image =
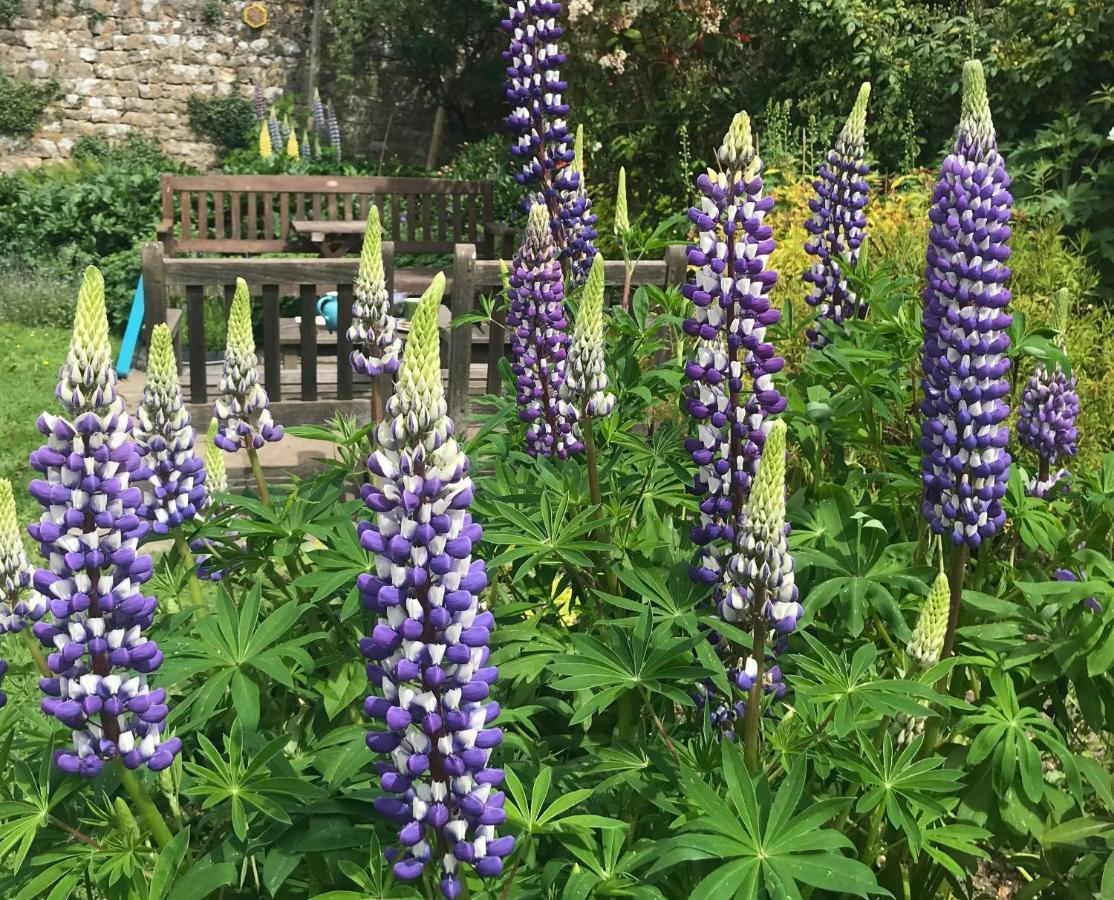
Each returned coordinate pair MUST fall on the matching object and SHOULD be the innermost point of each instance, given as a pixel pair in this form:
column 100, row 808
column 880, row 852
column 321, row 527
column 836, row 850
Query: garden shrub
column 228, row 121
column 22, row 103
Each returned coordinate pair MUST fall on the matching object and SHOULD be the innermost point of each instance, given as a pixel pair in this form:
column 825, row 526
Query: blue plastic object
column 131, row 333
column 327, row 309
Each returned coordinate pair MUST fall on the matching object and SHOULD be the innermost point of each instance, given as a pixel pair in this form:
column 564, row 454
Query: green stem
column 753, row 716
column 659, row 726
column 146, row 806
column 590, row 458
column 257, row 471
column 956, row 573
column 884, row 633
column 195, row 585
column 36, row 651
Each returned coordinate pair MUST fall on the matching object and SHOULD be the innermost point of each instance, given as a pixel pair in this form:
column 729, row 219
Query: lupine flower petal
column 964, row 434
column 174, row 478
column 539, row 342
column 838, row 224
column 241, row 408
column 428, row 651
column 376, row 347
column 89, row 533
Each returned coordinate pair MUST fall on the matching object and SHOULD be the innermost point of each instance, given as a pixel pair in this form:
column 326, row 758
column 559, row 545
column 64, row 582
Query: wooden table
column 332, row 238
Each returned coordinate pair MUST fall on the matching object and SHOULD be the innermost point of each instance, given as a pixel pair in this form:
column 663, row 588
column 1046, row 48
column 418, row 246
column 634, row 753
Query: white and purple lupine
column 241, row 409
column 585, row 387
column 539, row 341
column 334, row 131
column 319, row 123
column 964, row 435
column 207, row 563
column 173, row 478
column 258, row 100
column 535, row 90
column 429, row 649
column 15, row 573
column 837, row 227
column 274, row 130
column 731, row 391
column 1048, row 410
column 376, row 348
column 89, row 534
column 578, row 222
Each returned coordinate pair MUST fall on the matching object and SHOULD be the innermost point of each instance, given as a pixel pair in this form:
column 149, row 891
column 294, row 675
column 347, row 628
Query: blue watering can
column 327, row 309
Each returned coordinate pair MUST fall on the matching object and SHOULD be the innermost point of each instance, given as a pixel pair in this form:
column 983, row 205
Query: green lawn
column 28, row 376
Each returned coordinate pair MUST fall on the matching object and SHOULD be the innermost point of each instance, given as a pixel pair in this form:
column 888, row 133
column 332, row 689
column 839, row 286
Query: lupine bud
column 174, row 489
column 89, row 533
column 428, row 653
column 306, row 149
column 731, row 391
column 539, row 342
column 216, row 480
column 241, row 408
column 838, row 224
column 577, row 220
column 622, row 215
column 927, row 642
column 965, row 462
column 762, row 559
column 1049, row 407
column 376, row 347
column 293, row 151
column 585, row 385
column 265, row 148
column 15, row 574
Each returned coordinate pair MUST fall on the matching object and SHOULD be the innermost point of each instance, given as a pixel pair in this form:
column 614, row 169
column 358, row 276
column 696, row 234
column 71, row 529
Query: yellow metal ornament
column 255, row 15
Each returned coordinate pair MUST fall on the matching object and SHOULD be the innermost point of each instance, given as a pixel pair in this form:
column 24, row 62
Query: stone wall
column 130, row 65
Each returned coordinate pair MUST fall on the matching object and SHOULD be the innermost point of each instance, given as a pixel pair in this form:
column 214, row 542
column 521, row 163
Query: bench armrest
column 498, row 229
column 165, row 229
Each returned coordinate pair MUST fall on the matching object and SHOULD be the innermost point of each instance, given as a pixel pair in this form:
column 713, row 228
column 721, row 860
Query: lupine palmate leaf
column 754, row 840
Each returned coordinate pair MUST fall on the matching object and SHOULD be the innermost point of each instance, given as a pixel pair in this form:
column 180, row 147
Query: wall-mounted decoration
column 255, row 15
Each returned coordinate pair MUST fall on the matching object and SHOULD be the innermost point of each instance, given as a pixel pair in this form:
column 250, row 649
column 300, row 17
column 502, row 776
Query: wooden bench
column 254, row 214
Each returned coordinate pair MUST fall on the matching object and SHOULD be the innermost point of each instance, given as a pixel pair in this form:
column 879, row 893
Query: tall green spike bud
column 242, row 405
column 577, row 164
column 975, row 123
column 762, row 561
column 852, row 139
column 15, row 574
column 737, row 150
column 162, row 366
column 87, row 381
column 927, row 641
column 585, row 385
column 418, row 408
column 622, row 214
column 376, row 348
column 216, row 474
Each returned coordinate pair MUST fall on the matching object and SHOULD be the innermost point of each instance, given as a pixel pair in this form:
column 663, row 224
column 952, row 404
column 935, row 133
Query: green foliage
column 488, row 160
column 9, row 9
column 228, row 121
column 22, row 103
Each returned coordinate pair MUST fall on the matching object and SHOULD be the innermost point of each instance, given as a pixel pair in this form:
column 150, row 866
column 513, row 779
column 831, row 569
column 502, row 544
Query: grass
column 28, row 376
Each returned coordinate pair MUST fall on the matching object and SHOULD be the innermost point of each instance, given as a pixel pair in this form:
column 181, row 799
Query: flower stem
column 660, row 727
column 195, row 586
column 628, row 272
column 37, row 653
column 257, row 471
column 146, row 806
column 753, row 714
column 956, row 573
column 593, row 466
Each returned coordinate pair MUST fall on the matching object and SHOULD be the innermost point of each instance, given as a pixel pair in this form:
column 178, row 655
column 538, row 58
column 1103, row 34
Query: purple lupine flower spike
column 241, row 409
column 540, row 341
column 174, row 478
column 964, row 435
column 275, row 131
column 1048, row 410
column 89, row 533
column 15, row 574
column 259, row 100
column 334, row 131
column 838, row 224
column 536, row 93
column 578, row 222
column 319, row 123
column 731, row 391
column 428, row 652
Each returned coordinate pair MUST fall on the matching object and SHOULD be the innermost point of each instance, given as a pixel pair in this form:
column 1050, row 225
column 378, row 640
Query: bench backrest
column 253, row 214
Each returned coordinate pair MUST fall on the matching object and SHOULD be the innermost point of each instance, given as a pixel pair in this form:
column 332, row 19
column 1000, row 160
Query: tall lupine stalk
column 89, row 533
column 429, row 650
column 964, row 433
column 925, row 646
column 15, row 573
column 760, row 588
column 216, row 480
column 259, row 100
column 838, row 224
column 376, row 348
column 274, row 131
column 539, row 342
column 731, row 391
column 293, row 150
column 241, row 409
column 577, row 219
column 173, row 478
column 334, row 131
column 1048, row 410
column 537, row 119
column 622, row 235
column 585, row 385
column 319, row 123
column 266, row 148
